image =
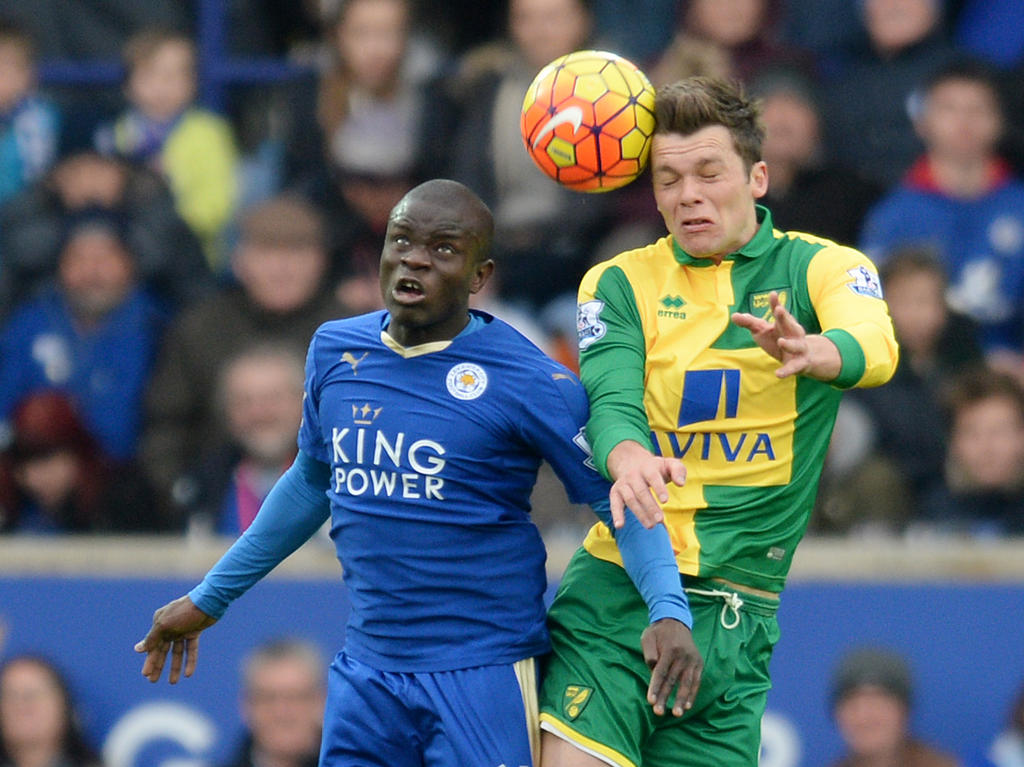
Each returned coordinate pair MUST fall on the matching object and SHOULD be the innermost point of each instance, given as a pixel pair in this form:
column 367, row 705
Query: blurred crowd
column 163, row 265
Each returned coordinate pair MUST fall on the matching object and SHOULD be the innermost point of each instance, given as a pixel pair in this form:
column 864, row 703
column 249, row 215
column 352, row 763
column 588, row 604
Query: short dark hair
column 688, row 105
column 143, row 45
column 14, row 34
column 968, row 69
column 980, row 383
column 912, row 260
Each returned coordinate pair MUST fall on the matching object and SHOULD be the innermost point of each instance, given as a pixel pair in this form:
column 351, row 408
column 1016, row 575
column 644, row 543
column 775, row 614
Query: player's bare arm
column 814, row 356
column 640, row 482
column 675, row 662
column 175, row 631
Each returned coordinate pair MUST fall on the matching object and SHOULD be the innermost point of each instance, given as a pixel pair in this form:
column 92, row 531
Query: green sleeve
column 612, row 370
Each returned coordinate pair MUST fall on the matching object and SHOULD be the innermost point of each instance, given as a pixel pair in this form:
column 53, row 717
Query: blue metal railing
column 217, row 69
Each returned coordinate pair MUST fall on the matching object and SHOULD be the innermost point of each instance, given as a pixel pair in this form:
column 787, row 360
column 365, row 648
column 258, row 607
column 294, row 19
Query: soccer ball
column 587, row 120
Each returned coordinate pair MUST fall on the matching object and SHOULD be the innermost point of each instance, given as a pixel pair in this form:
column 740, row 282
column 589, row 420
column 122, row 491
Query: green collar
column 759, row 244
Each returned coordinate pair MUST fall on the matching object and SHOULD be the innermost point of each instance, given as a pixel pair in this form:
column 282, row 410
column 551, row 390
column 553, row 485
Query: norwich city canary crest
column 761, row 307
column 576, row 699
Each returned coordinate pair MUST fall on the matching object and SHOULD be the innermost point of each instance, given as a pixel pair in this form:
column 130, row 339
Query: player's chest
column 410, row 413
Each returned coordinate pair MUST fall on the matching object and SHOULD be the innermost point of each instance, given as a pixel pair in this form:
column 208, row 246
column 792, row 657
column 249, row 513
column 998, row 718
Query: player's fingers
column 749, row 321
column 686, row 693
column 637, row 497
column 177, row 656
column 153, row 666
column 644, row 505
column 662, row 681
column 674, row 471
column 656, row 482
column 618, row 506
column 191, row 655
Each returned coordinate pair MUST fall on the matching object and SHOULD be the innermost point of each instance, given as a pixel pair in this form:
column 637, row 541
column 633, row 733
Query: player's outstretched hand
column 675, row 662
column 640, row 481
column 175, row 630
column 786, row 340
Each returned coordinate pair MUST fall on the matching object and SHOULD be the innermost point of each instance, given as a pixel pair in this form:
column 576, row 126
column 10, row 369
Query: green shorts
column 594, row 692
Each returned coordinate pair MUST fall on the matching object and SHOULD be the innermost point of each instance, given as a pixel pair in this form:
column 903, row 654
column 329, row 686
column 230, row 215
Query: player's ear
column 481, row 275
column 759, row 179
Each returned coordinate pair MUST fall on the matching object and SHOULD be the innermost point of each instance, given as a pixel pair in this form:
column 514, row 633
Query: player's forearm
column 295, row 508
column 649, row 561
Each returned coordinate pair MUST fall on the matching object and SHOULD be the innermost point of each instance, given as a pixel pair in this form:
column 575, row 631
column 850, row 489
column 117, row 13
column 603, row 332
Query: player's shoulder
column 507, row 347
column 632, row 264
column 807, row 247
column 360, row 327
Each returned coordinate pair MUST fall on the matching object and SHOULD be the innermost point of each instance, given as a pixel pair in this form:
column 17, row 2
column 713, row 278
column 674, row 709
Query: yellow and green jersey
column 664, row 365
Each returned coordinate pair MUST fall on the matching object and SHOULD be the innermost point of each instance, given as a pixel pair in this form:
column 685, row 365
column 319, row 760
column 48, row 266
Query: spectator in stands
column 38, row 723
column 94, row 335
column 936, row 342
column 544, row 233
column 1007, row 748
column 961, row 200
column 259, row 396
column 807, row 191
column 29, row 123
column 982, row 493
column 871, row 703
column 283, row 695
column 362, row 153
column 868, row 124
column 745, row 32
column 55, row 479
column 862, row 490
column 168, row 257
column 281, row 295
column 163, row 128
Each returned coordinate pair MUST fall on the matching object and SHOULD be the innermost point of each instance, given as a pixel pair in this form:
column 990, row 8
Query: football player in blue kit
column 423, row 429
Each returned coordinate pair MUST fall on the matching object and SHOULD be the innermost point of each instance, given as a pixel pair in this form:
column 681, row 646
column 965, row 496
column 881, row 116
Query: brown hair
column 143, row 45
column 688, row 105
column 982, row 383
column 14, row 35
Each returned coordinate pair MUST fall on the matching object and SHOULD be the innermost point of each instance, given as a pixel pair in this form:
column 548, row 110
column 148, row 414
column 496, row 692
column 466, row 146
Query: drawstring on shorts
column 732, row 600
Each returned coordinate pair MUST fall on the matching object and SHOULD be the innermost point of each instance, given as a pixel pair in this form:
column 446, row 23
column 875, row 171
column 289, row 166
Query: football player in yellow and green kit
column 725, row 346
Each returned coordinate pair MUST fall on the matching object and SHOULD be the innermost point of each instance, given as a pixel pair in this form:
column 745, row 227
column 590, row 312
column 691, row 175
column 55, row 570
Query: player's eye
column 446, row 249
column 400, row 240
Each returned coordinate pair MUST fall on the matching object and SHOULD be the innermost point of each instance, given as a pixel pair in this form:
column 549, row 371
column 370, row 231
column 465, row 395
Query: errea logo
column 672, row 306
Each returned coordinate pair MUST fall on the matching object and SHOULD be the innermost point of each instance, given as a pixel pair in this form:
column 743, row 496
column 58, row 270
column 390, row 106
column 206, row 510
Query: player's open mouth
column 695, row 224
column 408, row 290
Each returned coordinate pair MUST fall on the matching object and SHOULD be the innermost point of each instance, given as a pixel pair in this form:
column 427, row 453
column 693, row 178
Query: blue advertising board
column 963, row 642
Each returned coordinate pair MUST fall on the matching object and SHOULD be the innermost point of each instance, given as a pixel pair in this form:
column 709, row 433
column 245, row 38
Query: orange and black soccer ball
column 587, row 120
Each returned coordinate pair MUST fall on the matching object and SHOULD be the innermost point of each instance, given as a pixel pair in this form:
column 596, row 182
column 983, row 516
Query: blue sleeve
column 651, row 564
column 295, row 509
column 311, row 440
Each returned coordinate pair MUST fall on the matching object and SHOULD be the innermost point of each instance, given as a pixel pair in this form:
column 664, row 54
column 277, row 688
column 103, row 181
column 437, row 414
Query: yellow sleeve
column 846, row 293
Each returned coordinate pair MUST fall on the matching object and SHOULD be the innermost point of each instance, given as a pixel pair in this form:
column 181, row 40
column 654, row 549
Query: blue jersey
column 434, row 452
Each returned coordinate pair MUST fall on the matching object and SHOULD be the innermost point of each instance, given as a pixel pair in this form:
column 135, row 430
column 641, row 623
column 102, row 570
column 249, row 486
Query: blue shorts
column 475, row 717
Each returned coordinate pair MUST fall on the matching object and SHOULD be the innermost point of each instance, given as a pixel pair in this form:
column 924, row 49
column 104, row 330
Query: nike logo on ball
column 572, row 115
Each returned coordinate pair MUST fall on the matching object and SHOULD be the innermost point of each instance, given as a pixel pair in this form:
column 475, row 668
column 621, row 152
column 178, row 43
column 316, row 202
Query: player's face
column 704, row 191
column 428, row 269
